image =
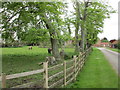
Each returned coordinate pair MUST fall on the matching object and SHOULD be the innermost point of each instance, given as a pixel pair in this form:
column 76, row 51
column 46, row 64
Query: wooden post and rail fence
column 67, row 73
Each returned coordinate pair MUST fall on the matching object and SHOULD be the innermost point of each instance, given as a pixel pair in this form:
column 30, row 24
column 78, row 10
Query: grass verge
column 114, row 49
column 97, row 73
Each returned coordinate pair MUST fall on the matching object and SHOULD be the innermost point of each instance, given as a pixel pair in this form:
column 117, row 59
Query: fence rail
column 69, row 72
column 12, row 76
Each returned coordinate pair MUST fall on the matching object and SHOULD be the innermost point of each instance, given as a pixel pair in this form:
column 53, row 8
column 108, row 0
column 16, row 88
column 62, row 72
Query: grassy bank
column 114, row 49
column 97, row 73
column 16, row 60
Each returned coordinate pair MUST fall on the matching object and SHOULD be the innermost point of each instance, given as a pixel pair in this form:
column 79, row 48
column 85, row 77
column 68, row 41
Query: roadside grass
column 97, row 73
column 114, row 49
column 17, row 60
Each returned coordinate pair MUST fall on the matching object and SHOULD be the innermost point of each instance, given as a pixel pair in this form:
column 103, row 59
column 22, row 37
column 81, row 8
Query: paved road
column 112, row 57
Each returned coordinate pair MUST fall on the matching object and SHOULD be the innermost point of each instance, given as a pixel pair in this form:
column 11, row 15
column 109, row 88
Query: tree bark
column 54, row 42
column 82, row 39
column 83, row 30
column 55, row 51
column 77, row 48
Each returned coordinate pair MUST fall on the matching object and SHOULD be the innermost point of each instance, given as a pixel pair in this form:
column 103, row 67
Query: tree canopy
column 34, row 22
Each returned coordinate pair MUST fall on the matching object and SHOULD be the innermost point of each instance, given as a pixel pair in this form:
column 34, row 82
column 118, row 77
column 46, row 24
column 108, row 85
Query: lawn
column 97, row 73
column 114, row 49
column 16, row 60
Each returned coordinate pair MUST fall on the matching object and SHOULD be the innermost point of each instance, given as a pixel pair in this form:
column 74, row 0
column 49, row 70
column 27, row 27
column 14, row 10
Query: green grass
column 17, row 60
column 114, row 49
column 97, row 73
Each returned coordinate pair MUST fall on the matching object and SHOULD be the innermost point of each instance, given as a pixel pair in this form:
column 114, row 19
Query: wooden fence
column 63, row 73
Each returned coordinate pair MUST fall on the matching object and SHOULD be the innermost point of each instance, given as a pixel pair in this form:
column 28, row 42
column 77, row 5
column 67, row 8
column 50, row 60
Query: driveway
column 112, row 57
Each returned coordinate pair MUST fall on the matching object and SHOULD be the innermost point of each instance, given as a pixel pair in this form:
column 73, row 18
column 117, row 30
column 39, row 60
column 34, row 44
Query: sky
column 110, row 30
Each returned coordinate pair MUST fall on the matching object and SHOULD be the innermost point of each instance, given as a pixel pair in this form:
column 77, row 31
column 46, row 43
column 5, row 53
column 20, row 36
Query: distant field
column 16, row 60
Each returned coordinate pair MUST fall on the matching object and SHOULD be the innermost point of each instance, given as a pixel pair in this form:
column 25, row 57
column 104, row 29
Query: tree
column 104, row 40
column 77, row 26
column 118, row 45
column 35, row 36
column 91, row 19
column 21, row 19
column 20, row 16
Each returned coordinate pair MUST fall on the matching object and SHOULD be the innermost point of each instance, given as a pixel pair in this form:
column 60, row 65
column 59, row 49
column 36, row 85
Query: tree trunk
column 83, row 31
column 54, row 42
column 77, row 49
column 55, row 51
column 82, row 39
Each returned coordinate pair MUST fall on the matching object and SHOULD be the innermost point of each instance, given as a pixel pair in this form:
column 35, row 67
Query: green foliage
column 25, row 18
column 37, row 35
column 104, row 40
column 96, row 14
column 22, row 17
column 119, row 44
column 88, row 18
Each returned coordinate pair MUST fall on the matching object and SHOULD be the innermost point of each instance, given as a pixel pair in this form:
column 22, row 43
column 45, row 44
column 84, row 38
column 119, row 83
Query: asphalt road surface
column 113, row 58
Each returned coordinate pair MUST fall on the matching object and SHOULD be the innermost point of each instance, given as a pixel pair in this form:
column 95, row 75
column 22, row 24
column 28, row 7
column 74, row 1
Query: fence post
column 45, row 74
column 65, row 73
column 81, row 60
column 74, row 67
column 79, row 64
column 3, row 80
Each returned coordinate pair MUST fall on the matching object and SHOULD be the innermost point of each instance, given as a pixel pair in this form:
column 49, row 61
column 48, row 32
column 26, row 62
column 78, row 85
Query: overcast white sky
column 110, row 30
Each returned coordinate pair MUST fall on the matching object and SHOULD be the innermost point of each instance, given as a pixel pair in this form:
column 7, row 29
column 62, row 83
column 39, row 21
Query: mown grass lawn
column 114, row 49
column 17, row 60
column 97, row 73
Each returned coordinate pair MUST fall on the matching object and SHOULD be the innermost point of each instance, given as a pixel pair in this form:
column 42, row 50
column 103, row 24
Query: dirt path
column 112, row 57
